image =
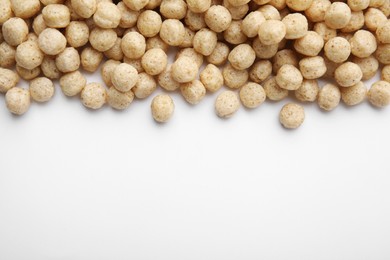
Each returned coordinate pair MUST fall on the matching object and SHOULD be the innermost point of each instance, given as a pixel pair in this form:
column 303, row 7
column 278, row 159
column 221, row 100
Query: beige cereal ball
column 312, row 67
column 193, row 92
column 354, row 95
column 383, row 53
column 270, row 12
column 237, row 12
column 72, row 83
column 282, row 57
column 136, row 63
column 385, row 9
column 149, row 23
column 299, row 5
column 7, row 54
column 260, row 71
column 25, row 8
column 337, row 49
column 41, row 89
column 358, row 5
column 115, row 52
column 373, row 18
column 289, row 77
column 119, row 100
column 90, row 59
column 212, row 78
column 39, row 24
column 198, row 6
column 84, row 8
column 226, row 104
column 292, row 115
column 17, row 100
column 363, row 44
column 385, row 75
column 93, row 96
column 238, row 2
column 242, row 56
column 107, row 69
column 272, row 32
column 162, row 108
column 188, row 38
column 102, row 39
column 338, row 15
column 379, row 94
column 348, row 74
column 107, row 15
column 296, row 25
column 154, row 61
column 316, row 11
column 8, row 80
column 184, row 70
column 194, row 21
column 145, row 86
column 28, row 74
column 252, row 95
column 68, row 60
column 383, row 32
column 191, row 53
column 124, row 77
column 310, row 45
column 133, row 45
column 172, row 32
column 56, row 15
column 128, row 17
column 234, row 78
column 356, row 22
column 273, row 91
column 6, row 11
column 156, row 42
column 219, row 55
column 329, row 97
column 51, row 41
column 234, row 34
column 173, row 9
column 166, row 81
column 205, row 41
column 324, row 31
column 218, row 18
column 15, row 31
column 308, row 91
column 251, row 23
column 49, row 68
column 28, row 55
column 369, row 66
column 136, row 5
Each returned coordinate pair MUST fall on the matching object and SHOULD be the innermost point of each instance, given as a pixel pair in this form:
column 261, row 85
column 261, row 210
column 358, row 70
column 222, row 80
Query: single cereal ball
column 212, row 78
column 124, row 77
column 115, row 52
column 17, row 100
column 270, row 12
column 383, row 32
column 7, row 54
column 28, row 55
column 28, row 74
column 272, row 32
column 162, row 108
column 348, row 74
column 238, row 2
column 338, row 15
column 107, row 69
column 194, row 21
column 363, row 44
column 145, row 86
column 299, row 5
column 56, row 15
column 316, row 11
column 90, row 59
column 77, row 33
column 51, row 41
column 226, row 104
column 356, row 22
column 379, row 94
column 6, row 11
column 234, row 78
column 193, row 92
column 310, row 45
column 119, row 100
column 41, row 89
column 102, row 39
column 312, row 67
column 329, row 97
column 25, row 8
column 373, row 18
column 172, row 32
column 219, row 55
column 68, row 60
column 133, row 45
column 242, row 56
column 173, row 9
column 154, row 61
column 136, row 5
column 84, row 8
column 354, row 95
column 369, row 66
column 337, row 49
column 15, row 31
column 296, row 25
column 128, row 17
column 385, row 9
column 93, row 96
column 39, row 24
column 156, row 42
column 273, row 91
column 383, row 53
column 152, row 4
column 191, row 53
column 166, row 81
column 292, row 115
column 358, row 5
column 205, row 41
column 72, row 83
column 218, row 18
column 107, row 15
column 188, row 38
column 184, row 70
column 282, row 57
column 149, row 23
column 198, row 6
column 251, row 23
column 252, row 95
column 8, row 80
column 234, row 34
column 308, row 91
column 289, row 77
column 385, row 75
column 237, row 12
column 324, row 31
column 260, row 71
column 49, row 68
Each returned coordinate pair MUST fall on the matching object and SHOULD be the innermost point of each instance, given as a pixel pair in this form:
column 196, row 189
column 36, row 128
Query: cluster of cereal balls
column 258, row 49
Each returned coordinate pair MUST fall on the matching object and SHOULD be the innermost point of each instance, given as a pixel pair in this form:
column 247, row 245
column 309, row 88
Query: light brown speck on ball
column 308, row 91
column 8, row 80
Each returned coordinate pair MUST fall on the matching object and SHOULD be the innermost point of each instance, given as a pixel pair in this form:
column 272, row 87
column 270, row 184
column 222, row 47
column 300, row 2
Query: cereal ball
column 299, row 5
column 238, row 2
column 7, row 54
column 133, row 45
column 282, row 57
column 260, row 71
column 39, row 24
column 251, row 23
column 379, row 94
column 310, row 45
column 191, row 53
column 373, row 18
column 385, row 75
column 103, row 39
column 188, row 38
column 136, row 63
column 184, row 70
column 93, row 96
column 383, row 32
column 369, row 66
column 149, row 23
column 152, row 4
column 308, row 91
column 205, row 41
column 292, row 115
column 195, row 21
column 115, row 52
column 72, row 83
column 212, row 78
column 172, row 32
column 56, row 15
column 324, row 31
column 136, row 5
column 383, row 53
column 237, row 12
column 119, row 100
column 377, row 3
column 219, row 54
column 28, row 74
column 49, row 68
column 84, row 8
column 145, row 86
column 156, row 42
column 348, row 74
column 296, row 25
column 8, row 80
column 329, row 97
column 312, row 67
column 354, row 95
column 154, row 61
column 106, row 71
column 273, row 91
column 166, row 81
column 128, row 17
column 356, row 22
column 242, row 56
column 316, row 12
column 6, row 11
column 337, row 49
column 234, row 33
column 17, row 100
column 51, row 41
column 162, row 108
column 270, row 12
column 107, row 15
column 385, row 8
column 14, row 31
column 234, row 78
column 289, row 77
column 68, row 60
column 358, row 5
column 338, row 15
column 124, row 77
column 218, row 18
column 41, row 89
column 173, row 9
column 272, row 32
column 252, row 95
column 28, row 55
column 77, row 33
column 363, row 44
column 226, row 104
column 198, row 6
column 91, row 59
column 193, row 92
column 25, row 8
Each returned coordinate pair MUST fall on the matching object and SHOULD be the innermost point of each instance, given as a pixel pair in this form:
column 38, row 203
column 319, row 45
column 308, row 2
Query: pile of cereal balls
column 258, row 49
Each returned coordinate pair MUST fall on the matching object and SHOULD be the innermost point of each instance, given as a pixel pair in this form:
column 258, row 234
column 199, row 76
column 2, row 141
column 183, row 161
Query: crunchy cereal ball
column 356, row 22
column 107, row 15
column 191, row 53
column 252, row 95
column 77, row 34
column 156, row 42
column 184, row 70
column 260, row 71
column 385, row 8
column 162, row 108
column 373, row 18
column 51, row 41
column 193, row 92
column 270, row 12
column 15, row 31
column 251, row 23
column 379, row 94
column 145, row 86
column 56, row 15
column 68, row 60
column 282, row 57
column 337, row 49
column 205, row 41
column 136, row 5
column 49, row 68
column 234, row 78
column 377, row 3
column 310, row 45
column 242, row 56
column 308, row 91
column 296, row 25
column 348, row 74
column 91, row 59
column 363, row 44
column 358, row 5
column 119, row 100
column 133, row 45
column 273, row 91
column 173, row 9
column 198, row 6
column 106, row 71
column 237, row 12
column 149, row 23
column 25, row 8
column 6, row 11
column 299, row 5
column 28, row 74
column 154, row 61
column 128, row 17
column 194, row 21
column 166, row 81
column 329, row 97
column 354, row 95
column 32, row 37
column 172, row 32
column 212, row 78
column 383, row 53
column 385, row 75
column 316, row 11
column 188, row 38
column 84, row 8
column 72, row 83
column 234, row 33
column 41, row 89
column 219, row 54
column 312, row 67
column 226, row 104
column 124, row 77
column 39, row 24
column 7, row 54
column 272, row 32
column 338, row 15
column 289, row 77
column 324, row 31
column 238, row 2
column 28, row 55
column 136, row 63
column 115, row 52
column 383, row 32
column 17, row 100
column 369, row 66
column 218, row 18
column 292, row 115
column 93, row 96
column 8, row 80
column 103, row 39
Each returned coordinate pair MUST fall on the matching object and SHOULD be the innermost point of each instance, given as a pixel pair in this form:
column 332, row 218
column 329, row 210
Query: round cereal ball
column 338, row 15
column 162, row 108
column 7, row 54
column 84, row 8
column 25, row 8
column 356, row 22
column 289, row 77
column 251, row 23
column 260, row 71
column 136, row 63
column 38, row 24
column 198, row 6
column 149, row 23
column 6, row 11
column 237, row 12
column 194, row 21
column 119, row 100
column 383, row 32
column 272, row 32
column 133, row 45
column 348, row 74
column 28, row 55
column 184, row 70
column 124, row 77
column 324, row 31
column 136, row 5
column 369, row 66
column 308, row 91
column 77, row 34
column 242, row 56
column 358, row 5
column 310, row 45
column 107, row 15
column 296, row 25
column 191, row 53
column 17, row 100
column 156, row 42
column 234, row 34
column 188, row 38
column 385, row 75
column 234, row 78
column 152, row 4
column 212, row 78
column 72, row 83
column 299, row 5
column 173, row 9
column 68, row 60
column 373, row 18
column 292, row 115
column 166, row 81
column 238, row 2
column 219, row 55
column 128, row 17
column 107, row 69
column 354, row 95
column 252, row 95
column 145, row 85
column 226, row 104
column 316, row 11
column 385, row 9
column 90, row 59
column 154, row 61
column 93, row 96
column 49, row 68
column 51, row 41
column 102, row 39
column 312, row 67
column 172, row 32
column 337, row 49
column 193, row 92
column 363, row 44
column 379, row 94
column 329, row 97
column 41, row 89
column 15, row 31
column 282, row 57
column 56, row 15
column 383, row 53
column 273, row 91
column 28, row 74
column 205, row 41
column 8, row 80
column 270, row 12
column 115, row 52
column 218, row 18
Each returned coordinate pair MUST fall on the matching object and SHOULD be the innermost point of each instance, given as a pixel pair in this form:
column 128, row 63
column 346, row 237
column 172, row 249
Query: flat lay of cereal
column 249, row 51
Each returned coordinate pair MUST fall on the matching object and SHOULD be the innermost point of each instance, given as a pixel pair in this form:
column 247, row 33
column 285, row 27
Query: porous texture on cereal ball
column 28, row 55
column 72, row 83
column 8, row 79
column 51, row 41
column 128, row 17
column 194, row 21
column 308, row 91
column 312, row 67
column 260, row 71
column 156, row 42
column 234, row 34
column 310, row 45
column 348, row 74
column 252, row 95
column 316, row 11
column 383, row 32
column 385, row 75
column 198, row 6
column 107, row 15
column 41, row 89
column 56, row 15
column 296, row 25
column 292, row 115
column 149, row 23
column 184, row 70
column 379, row 94
column 136, row 5
column 234, row 78
column 218, row 18
column 145, row 85
column 84, row 8
column 102, row 39
column 124, row 77
column 273, row 91
column 119, row 100
column 68, row 60
column 154, row 61
column 25, row 8
column 93, row 95
column 289, row 77
column 6, row 11
column 212, row 78
column 358, row 5
column 28, row 74
column 337, row 49
column 90, row 59
column 166, row 81
column 369, row 66
column 77, row 34
column 133, row 45
column 338, row 15
column 242, row 56
column 205, row 41
column 356, row 22
column 219, row 55
column 188, row 38
column 251, row 23
column 226, row 104
column 324, row 31
column 15, row 31
column 373, row 18
column 272, row 32
column 162, row 108
column 329, row 97
column 193, row 92
column 7, row 54
column 17, row 100
column 172, row 32
column 354, row 95
column 173, row 9
column 191, row 53
column 363, row 44
column 382, row 53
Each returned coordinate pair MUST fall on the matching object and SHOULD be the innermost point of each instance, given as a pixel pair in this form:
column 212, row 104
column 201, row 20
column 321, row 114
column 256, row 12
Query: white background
column 81, row 184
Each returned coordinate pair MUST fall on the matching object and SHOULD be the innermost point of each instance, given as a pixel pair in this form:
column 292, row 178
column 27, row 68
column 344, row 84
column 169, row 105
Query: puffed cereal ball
column 8, row 80
column 251, row 23
column 218, row 18
column 193, row 92
column 363, row 44
column 356, row 22
column 49, row 68
column 226, row 104
column 72, row 83
column 382, row 53
column 237, row 12
column 252, row 95
column 273, row 91
column 107, row 69
column 172, row 32
column 133, row 45
column 316, row 11
column 282, row 57
column 234, row 34
column 312, row 67
column 292, row 115
column 184, row 70
column 102, row 39
column 25, row 8
column 28, row 74
column 93, row 96
column 238, row 2
column 354, row 95
column 173, row 9
column 124, row 77
column 90, row 59
column 166, row 81
column 369, row 66
column 270, row 12
column 77, row 34
column 242, row 56
column 15, row 31
column 385, row 75
column 107, row 15
column 162, row 108
column 198, row 6
column 289, row 77
column 383, row 32
column 212, row 78
column 154, row 61
column 194, row 21
column 348, row 74
column 136, row 5
column 308, row 91
column 272, row 32
column 6, row 11
column 324, row 31
column 310, row 45
column 358, row 5
column 41, row 89
column 156, row 42
column 7, row 54
column 119, row 100
column 56, row 15
column 205, row 41
column 329, row 97
column 338, row 15
column 296, row 25
column 379, row 94
column 149, row 23
column 68, row 60
column 373, row 18
column 17, row 100
column 84, row 8
column 188, row 38
column 219, row 55
column 299, row 5
column 260, row 71
column 145, row 86
column 337, row 49
column 191, row 53
column 39, row 24
column 28, row 55
column 234, row 78
column 51, row 41
column 128, row 17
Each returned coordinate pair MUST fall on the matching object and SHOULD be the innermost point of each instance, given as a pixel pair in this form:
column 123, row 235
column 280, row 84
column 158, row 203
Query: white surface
column 76, row 184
